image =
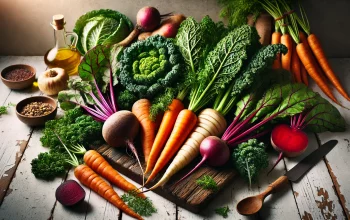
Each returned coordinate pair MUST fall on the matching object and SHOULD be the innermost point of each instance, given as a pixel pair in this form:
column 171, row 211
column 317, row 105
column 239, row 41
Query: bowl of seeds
column 36, row 110
column 18, row 76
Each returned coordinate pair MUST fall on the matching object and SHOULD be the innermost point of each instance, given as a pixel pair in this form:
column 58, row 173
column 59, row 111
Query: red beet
column 70, row 193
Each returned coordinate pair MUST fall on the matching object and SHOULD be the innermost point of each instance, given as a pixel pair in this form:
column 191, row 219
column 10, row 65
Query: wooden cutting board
column 187, row 194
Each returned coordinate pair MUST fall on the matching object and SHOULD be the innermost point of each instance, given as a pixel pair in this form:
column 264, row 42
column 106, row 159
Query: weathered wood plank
column 273, row 208
column 14, row 133
column 35, row 197
column 186, row 194
column 314, row 193
column 337, row 160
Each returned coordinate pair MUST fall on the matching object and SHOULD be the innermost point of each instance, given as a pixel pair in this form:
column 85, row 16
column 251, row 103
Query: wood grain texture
column 187, row 194
column 15, row 134
column 314, row 193
column 337, row 161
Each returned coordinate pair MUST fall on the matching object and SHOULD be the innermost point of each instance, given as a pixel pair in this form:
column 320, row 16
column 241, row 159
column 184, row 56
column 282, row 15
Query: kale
column 49, row 165
column 249, row 158
column 74, row 128
column 207, row 182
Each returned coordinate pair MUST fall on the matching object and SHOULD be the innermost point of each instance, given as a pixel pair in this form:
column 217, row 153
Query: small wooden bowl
column 18, row 84
column 36, row 120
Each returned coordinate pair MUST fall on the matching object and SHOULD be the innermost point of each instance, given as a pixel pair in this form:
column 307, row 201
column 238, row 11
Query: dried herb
column 223, row 211
column 36, row 109
column 207, row 182
column 142, row 206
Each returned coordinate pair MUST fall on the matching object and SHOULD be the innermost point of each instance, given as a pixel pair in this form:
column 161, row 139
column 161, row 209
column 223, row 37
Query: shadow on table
column 82, row 208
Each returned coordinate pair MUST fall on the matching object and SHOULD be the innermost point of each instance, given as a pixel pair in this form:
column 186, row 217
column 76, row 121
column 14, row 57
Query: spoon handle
column 273, row 186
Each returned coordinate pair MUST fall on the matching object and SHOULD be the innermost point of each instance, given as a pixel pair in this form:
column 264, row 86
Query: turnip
column 120, row 129
column 70, row 193
column 289, row 140
column 147, row 19
column 214, row 151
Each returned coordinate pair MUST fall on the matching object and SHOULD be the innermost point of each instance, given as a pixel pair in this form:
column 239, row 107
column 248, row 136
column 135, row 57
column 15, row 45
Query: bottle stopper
column 58, row 22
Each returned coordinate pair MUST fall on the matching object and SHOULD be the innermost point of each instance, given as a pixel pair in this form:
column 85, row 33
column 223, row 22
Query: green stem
column 248, row 172
column 74, row 160
column 183, row 93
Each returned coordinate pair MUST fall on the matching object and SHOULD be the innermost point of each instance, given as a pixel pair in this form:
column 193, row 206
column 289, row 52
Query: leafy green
column 222, row 65
column 236, row 11
column 207, row 182
column 74, row 128
column 260, row 62
column 98, row 74
column 223, row 211
column 148, row 68
column 142, row 206
column 3, row 109
column 101, row 27
column 49, row 165
column 249, row 158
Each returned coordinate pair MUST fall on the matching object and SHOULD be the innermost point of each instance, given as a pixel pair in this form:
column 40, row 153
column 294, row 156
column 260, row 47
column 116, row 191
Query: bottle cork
column 58, row 22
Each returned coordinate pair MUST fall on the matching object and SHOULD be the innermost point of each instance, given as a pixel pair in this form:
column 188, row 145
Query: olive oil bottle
column 63, row 55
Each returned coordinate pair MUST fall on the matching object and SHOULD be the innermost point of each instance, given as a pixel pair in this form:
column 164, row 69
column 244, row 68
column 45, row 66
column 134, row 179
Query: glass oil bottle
column 63, row 55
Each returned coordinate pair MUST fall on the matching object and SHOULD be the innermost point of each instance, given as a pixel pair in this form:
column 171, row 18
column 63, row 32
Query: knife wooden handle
column 273, row 186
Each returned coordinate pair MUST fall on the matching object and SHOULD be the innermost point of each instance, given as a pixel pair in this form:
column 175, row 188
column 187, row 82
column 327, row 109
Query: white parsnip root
column 210, row 123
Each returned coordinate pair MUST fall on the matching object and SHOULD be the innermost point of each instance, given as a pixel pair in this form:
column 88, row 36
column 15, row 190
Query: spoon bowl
column 250, row 205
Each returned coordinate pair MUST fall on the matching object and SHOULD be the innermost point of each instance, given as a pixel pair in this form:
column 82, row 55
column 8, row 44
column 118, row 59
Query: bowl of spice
column 36, row 110
column 18, row 76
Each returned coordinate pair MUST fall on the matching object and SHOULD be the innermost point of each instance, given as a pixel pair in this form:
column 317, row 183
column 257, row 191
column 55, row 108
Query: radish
column 147, row 19
column 120, row 129
column 70, row 193
column 290, row 141
column 214, row 151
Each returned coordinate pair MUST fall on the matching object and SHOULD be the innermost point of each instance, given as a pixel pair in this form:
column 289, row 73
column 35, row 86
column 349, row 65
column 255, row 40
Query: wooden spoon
column 253, row 204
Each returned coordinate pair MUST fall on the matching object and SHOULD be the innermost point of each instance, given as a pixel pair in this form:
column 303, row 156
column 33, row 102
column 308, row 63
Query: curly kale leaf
column 262, row 60
column 236, row 11
column 149, row 67
column 74, row 128
column 195, row 40
column 222, row 64
column 49, row 165
column 249, row 158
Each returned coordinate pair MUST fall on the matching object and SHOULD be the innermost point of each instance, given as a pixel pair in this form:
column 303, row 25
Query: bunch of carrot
column 305, row 53
column 90, row 175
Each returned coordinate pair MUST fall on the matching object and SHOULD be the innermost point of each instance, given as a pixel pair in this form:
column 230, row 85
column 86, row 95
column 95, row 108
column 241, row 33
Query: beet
column 70, row 193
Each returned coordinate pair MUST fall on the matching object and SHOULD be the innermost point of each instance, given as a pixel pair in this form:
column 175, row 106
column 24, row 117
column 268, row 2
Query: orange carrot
column 98, row 164
column 322, row 60
column 141, row 110
column 309, row 62
column 94, row 182
column 295, row 66
column 276, row 39
column 304, row 75
column 185, row 122
column 303, row 39
column 164, row 131
column 287, row 58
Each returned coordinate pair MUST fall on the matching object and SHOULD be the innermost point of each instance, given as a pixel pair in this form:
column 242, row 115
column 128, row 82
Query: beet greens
column 282, row 102
column 93, row 91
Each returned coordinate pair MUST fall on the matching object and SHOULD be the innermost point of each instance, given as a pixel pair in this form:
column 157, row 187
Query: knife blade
column 309, row 161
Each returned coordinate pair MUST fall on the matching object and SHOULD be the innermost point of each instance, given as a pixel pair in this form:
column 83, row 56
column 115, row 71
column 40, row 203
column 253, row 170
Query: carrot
column 303, row 39
column 304, row 75
column 164, row 131
column 309, row 62
column 98, row 164
column 93, row 181
column 322, row 60
column 286, row 59
column 276, row 39
column 210, row 123
column 141, row 110
column 295, row 66
column 185, row 122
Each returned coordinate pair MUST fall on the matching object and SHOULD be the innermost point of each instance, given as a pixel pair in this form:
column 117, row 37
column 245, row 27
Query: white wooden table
column 324, row 193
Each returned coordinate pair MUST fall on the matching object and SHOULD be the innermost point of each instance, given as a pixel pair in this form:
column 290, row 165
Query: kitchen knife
column 253, row 204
